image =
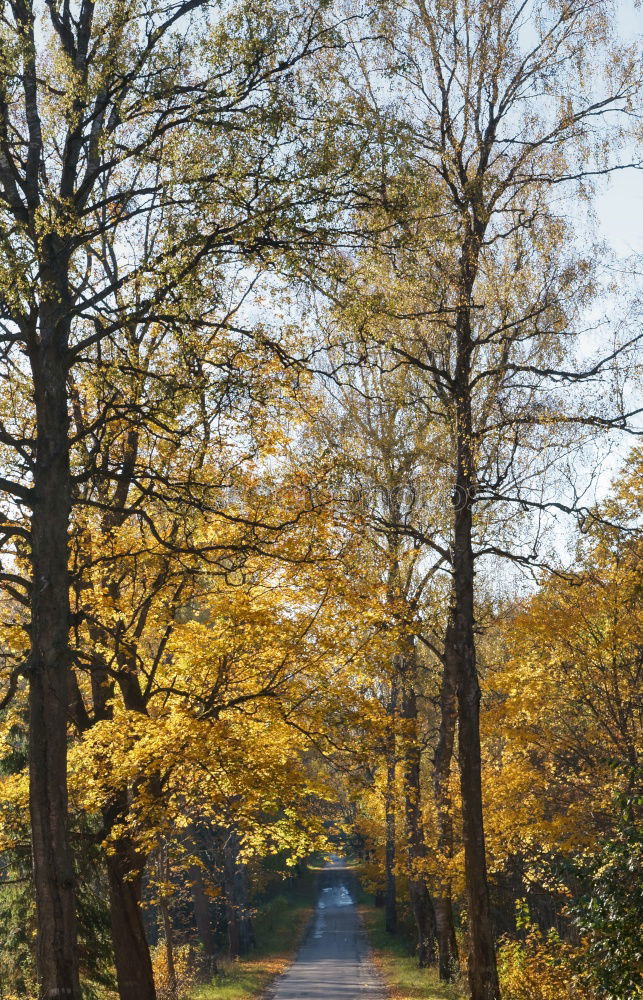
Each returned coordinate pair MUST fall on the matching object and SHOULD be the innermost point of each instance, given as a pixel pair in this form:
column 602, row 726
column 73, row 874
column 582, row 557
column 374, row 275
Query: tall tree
column 102, row 108
column 486, row 110
column 382, row 434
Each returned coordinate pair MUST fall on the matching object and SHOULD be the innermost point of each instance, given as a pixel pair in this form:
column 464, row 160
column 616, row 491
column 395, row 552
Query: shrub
column 541, row 966
column 185, row 968
column 611, row 914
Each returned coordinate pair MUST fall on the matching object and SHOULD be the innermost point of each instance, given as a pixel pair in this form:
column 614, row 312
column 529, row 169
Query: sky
column 619, row 206
column 619, row 209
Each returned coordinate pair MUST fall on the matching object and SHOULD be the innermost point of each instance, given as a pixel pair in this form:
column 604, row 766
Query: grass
column 398, row 966
column 279, row 928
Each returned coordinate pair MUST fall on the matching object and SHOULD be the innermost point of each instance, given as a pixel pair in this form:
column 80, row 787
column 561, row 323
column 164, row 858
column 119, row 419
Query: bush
column 185, row 968
column 542, row 966
column 611, row 914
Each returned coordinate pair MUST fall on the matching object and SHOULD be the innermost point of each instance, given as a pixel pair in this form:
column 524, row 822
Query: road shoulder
column 397, row 968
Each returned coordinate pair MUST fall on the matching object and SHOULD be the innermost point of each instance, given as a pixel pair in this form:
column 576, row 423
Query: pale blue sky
column 619, row 206
column 619, row 209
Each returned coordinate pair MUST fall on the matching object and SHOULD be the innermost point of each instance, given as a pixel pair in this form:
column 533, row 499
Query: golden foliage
column 541, row 967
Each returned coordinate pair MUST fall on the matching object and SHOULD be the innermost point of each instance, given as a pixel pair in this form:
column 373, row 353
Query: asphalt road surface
column 333, row 963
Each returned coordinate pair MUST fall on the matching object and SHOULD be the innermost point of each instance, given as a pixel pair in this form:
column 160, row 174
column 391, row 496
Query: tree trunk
column 49, row 666
column 125, row 866
column 240, row 931
column 202, row 920
column 131, row 951
column 421, row 902
column 169, row 945
column 483, row 975
column 447, row 944
column 390, row 913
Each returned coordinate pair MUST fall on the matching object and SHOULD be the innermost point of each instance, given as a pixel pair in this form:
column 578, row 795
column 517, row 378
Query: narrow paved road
column 333, row 963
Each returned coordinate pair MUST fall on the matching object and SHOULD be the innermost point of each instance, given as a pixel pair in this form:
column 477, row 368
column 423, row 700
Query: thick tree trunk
column 447, row 944
column 125, row 866
column 57, row 958
column 390, row 912
column 131, row 952
column 132, row 959
column 483, row 975
column 421, row 902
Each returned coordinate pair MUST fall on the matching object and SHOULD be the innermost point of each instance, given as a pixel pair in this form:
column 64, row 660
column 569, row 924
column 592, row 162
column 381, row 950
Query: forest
column 321, row 490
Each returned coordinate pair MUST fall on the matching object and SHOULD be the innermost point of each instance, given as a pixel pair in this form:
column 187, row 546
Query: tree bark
column 421, row 902
column 131, row 952
column 447, row 944
column 125, row 866
column 131, row 949
column 132, row 959
column 203, row 922
column 390, row 912
column 483, row 975
column 169, row 945
column 49, row 667
column 240, row 930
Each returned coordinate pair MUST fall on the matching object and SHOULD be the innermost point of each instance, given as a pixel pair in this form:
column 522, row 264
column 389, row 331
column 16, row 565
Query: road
column 333, row 962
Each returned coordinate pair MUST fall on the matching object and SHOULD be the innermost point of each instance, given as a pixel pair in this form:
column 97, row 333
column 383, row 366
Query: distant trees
column 381, row 434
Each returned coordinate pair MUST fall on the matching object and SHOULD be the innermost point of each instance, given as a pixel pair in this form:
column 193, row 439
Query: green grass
column 398, row 966
column 279, row 928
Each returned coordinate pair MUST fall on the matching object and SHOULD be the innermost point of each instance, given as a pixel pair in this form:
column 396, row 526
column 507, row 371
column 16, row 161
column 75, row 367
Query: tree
column 382, row 434
column 154, row 547
column 610, row 913
column 101, row 111
column 483, row 118
column 564, row 701
column 562, row 741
